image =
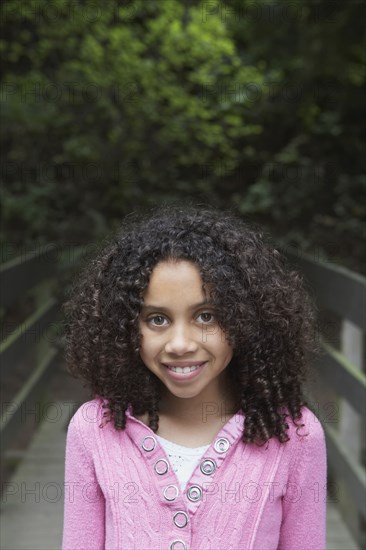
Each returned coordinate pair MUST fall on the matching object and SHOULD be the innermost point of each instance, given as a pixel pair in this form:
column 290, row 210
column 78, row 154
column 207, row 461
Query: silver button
column 182, row 522
column 178, row 545
column 161, row 466
column 171, row 489
column 194, row 493
column 148, row 447
column 221, row 445
column 208, row 466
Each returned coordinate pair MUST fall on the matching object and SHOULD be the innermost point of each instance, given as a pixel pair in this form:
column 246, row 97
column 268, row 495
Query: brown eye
column 150, row 319
column 206, row 314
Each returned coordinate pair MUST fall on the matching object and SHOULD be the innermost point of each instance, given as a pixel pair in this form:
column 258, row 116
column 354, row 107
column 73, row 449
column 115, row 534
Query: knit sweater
column 122, row 493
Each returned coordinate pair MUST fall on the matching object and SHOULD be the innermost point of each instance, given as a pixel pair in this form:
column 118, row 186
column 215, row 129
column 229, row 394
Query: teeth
column 184, row 370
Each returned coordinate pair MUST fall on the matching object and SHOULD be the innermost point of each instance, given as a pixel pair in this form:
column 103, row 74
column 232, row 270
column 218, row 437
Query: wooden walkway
column 32, row 510
column 32, row 505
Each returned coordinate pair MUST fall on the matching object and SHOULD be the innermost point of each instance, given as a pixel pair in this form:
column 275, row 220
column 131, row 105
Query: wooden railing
column 35, row 272
column 336, row 391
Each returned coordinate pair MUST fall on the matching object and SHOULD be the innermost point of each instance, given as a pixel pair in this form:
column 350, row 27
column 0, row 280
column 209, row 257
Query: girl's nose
column 180, row 341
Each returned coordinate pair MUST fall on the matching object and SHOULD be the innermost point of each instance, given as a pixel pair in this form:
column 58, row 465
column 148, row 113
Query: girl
column 193, row 336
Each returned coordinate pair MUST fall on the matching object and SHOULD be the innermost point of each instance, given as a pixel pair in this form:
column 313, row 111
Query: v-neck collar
column 176, row 447
column 202, row 477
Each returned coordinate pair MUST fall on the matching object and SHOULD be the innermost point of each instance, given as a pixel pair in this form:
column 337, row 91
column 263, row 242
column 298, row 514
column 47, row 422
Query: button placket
column 167, row 481
column 207, row 467
column 162, row 468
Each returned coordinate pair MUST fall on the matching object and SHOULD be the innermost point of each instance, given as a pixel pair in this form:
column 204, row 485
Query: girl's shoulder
column 87, row 416
column 307, row 431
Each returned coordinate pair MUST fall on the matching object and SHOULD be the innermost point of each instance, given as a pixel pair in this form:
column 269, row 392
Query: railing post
column 350, row 426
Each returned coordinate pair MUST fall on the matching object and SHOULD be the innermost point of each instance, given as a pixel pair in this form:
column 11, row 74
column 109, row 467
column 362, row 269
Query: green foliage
column 258, row 106
column 312, row 173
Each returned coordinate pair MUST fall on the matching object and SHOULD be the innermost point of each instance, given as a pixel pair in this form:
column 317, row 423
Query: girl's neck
column 193, row 423
column 200, row 410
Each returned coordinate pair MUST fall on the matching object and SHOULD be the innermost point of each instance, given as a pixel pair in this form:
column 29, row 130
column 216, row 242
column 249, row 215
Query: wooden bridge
column 33, row 495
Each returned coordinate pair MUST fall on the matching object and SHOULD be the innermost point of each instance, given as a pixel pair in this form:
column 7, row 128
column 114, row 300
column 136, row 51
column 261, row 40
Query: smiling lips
column 184, row 367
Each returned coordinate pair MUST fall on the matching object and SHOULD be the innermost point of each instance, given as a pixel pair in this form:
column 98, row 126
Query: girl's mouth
column 185, row 373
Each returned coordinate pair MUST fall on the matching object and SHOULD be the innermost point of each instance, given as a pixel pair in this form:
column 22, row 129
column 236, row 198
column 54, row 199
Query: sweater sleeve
column 84, row 502
column 304, row 499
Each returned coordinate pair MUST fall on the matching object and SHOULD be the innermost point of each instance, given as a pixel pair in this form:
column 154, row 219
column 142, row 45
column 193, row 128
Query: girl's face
column 180, row 330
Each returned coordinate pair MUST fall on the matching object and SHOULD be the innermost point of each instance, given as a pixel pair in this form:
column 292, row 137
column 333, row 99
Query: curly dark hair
column 262, row 305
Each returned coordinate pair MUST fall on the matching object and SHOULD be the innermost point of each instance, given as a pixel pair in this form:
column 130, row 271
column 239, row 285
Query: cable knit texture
column 120, row 495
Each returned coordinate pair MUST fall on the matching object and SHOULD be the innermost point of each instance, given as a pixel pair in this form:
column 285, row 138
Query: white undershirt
column 182, row 459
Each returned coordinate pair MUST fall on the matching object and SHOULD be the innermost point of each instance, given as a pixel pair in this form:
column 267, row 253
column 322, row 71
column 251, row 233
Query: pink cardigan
column 121, row 492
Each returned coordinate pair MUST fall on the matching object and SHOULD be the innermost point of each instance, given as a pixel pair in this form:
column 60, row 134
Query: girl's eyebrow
column 161, row 308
